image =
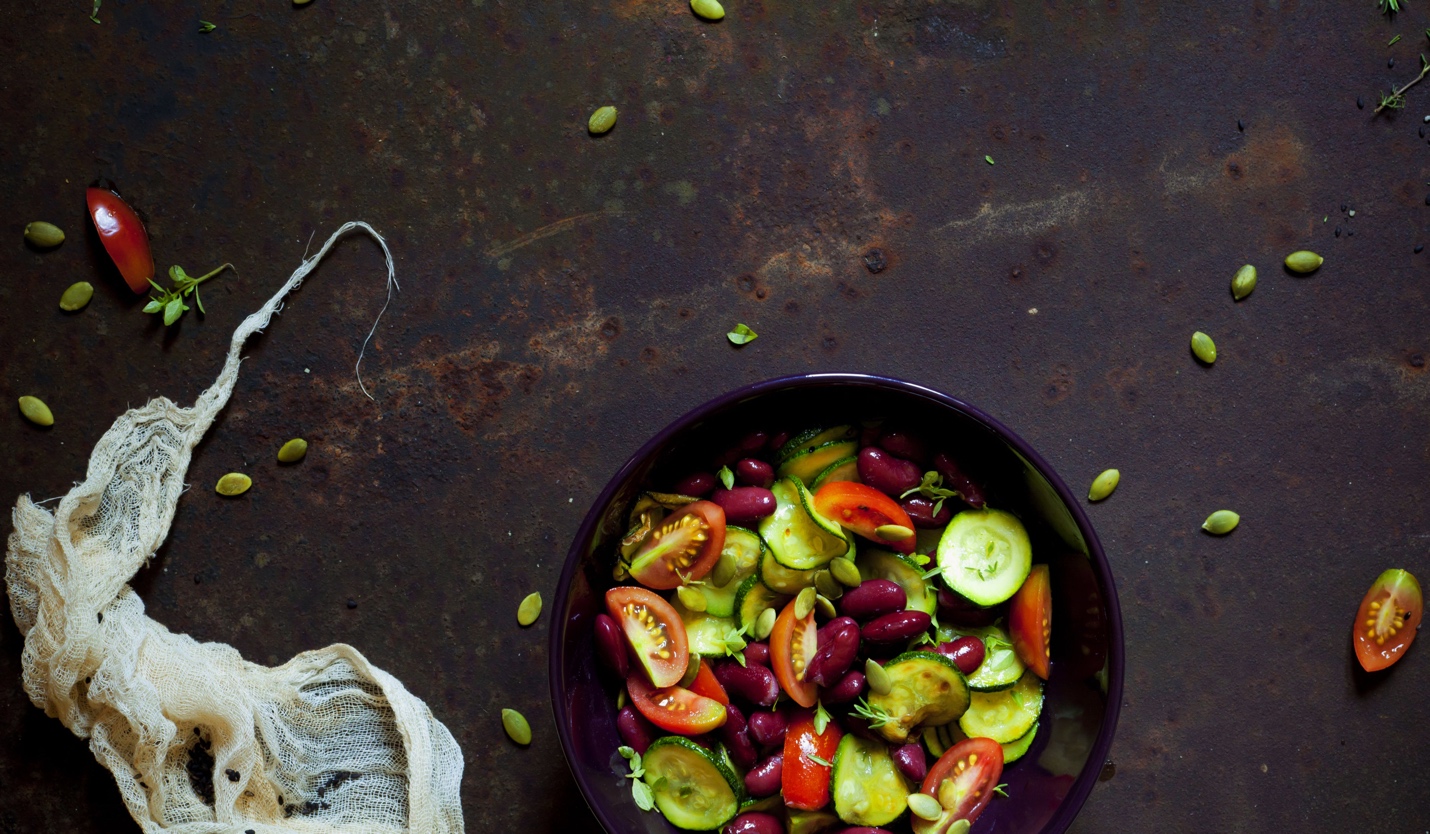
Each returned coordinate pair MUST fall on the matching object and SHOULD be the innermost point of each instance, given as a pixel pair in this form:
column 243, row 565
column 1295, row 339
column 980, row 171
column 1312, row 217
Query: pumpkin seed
column 893, row 532
column 877, row 678
column 293, row 451
column 517, row 728
column 804, row 603
column 824, row 583
column 43, row 235
column 765, row 624
column 924, row 806
column 824, row 606
column 36, row 411
column 1221, row 522
column 691, row 598
column 1203, row 347
column 959, row 827
column 234, row 483
column 76, row 296
column 1304, row 262
column 708, row 9
column 621, row 699
column 602, row 120
column 1103, row 485
column 1243, row 282
column 692, row 670
column 529, row 610
column 844, row 570
column 724, row 570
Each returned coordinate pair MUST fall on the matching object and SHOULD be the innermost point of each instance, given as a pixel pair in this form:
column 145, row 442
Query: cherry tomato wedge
column 863, row 509
column 687, row 543
column 123, row 237
column 805, row 782
column 792, row 645
column 962, row 780
column 675, row 709
column 1387, row 620
column 1030, row 619
column 707, row 686
column 654, row 631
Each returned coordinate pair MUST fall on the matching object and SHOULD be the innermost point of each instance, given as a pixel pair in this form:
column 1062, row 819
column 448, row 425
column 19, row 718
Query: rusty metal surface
column 564, row 297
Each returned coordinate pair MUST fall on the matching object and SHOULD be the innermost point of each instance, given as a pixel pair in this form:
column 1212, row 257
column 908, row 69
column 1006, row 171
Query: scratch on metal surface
column 547, row 231
column 1020, row 218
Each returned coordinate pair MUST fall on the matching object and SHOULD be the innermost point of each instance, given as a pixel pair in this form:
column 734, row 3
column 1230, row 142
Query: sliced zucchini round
column 754, row 597
column 808, row 463
column 783, row 580
column 745, row 549
column 846, row 469
column 799, row 537
column 902, row 571
column 985, row 555
column 812, row 437
column 692, row 788
column 939, row 739
column 1001, row 666
column 1014, row 750
column 1006, row 715
column 707, row 635
column 865, row 783
column 927, row 690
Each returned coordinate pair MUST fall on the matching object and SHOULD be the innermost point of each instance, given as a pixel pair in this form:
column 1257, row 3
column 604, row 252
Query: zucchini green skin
column 1001, row 666
column 1006, row 715
column 810, row 822
column 798, row 536
column 746, row 548
column 808, row 439
column 881, row 564
column 845, row 469
column 985, row 555
column 939, row 739
column 753, row 599
column 806, row 465
column 699, row 793
column 866, row 785
column 783, row 580
column 927, row 690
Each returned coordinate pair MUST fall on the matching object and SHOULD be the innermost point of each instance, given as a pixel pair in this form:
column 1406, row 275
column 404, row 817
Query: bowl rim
column 1082, row 787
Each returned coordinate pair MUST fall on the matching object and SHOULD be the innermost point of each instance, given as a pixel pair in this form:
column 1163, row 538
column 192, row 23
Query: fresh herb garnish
column 876, row 716
column 732, row 643
column 988, row 159
column 171, row 302
column 741, row 335
column 1396, row 99
column 1389, row 6
column 999, row 789
column 821, row 718
column 1396, row 39
column 817, row 760
column 931, row 487
column 920, row 559
column 205, row 27
column 938, row 571
column 726, row 477
column 645, row 800
column 94, row 15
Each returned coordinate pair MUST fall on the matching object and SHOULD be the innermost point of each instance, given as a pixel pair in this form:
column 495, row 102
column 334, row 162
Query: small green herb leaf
column 741, row 335
column 817, row 760
column 989, row 160
column 999, row 789
column 153, row 306
column 645, row 799
column 173, row 310
column 205, row 27
column 821, row 718
column 726, row 477
column 94, row 15
column 1394, row 41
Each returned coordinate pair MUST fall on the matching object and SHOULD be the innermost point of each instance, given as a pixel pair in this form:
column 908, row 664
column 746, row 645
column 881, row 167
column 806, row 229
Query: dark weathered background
column 563, row 297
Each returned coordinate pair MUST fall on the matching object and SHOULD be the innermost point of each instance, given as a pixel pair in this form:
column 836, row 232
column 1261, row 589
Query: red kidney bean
column 758, row 654
column 751, row 444
column 752, row 472
column 954, row 609
column 611, row 646
column 848, row 688
column 872, row 598
column 965, row 652
column 956, row 479
column 768, row 728
column 755, row 684
column 755, row 822
column 696, row 485
column 764, row 778
column 838, row 646
column 734, row 732
column 744, row 505
column 911, row 761
column 863, row 829
column 886, row 473
column 921, row 512
column 635, row 730
column 903, row 444
column 868, row 435
column 897, row 627
column 778, row 439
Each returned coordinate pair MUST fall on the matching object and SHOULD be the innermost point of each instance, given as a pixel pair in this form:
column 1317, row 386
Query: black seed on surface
column 1360, row 102
column 1338, row 231
column 1240, row 125
column 352, row 603
column 1390, row 63
column 1419, row 247
column 231, row 774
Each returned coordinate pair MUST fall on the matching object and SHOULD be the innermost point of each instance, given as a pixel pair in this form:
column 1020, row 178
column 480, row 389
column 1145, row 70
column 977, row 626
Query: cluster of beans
column 892, row 461
column 872, row 622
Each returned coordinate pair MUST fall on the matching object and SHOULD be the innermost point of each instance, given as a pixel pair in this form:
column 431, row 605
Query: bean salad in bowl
column 817, row 617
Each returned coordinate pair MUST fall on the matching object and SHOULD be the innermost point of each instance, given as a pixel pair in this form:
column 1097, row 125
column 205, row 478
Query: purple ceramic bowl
column 1049, row 784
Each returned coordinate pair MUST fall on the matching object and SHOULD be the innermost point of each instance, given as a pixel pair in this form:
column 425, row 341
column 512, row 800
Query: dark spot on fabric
column 200, row 768
column 231, row 774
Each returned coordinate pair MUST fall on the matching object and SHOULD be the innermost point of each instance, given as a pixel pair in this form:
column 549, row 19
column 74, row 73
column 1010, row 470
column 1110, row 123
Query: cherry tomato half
column 706, row 685
column 792, row 646
column 863, row 509
column 805, row 782
column 1030, row 619
column 962, row 780
column 1388, row 617
column 654, row 630
column 675, row 709
column 686, row 544
column 123, row 236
